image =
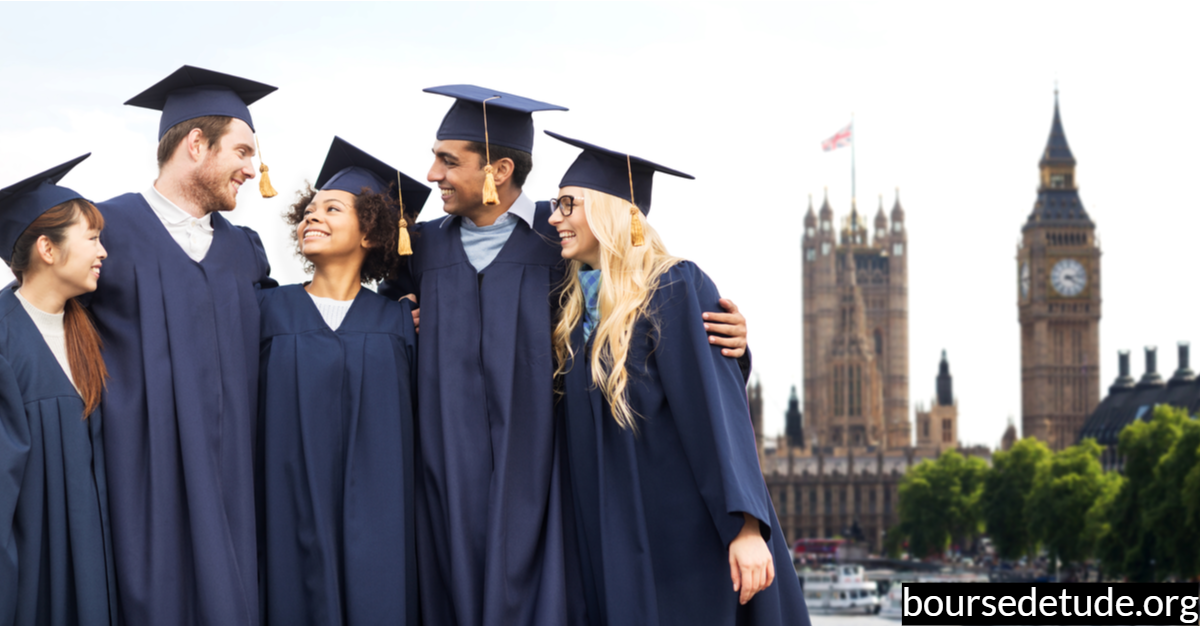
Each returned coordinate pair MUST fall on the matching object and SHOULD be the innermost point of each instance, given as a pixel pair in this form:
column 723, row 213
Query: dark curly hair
column 379, row 220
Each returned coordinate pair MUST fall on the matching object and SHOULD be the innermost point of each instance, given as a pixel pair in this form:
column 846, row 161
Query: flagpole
column 853, row 142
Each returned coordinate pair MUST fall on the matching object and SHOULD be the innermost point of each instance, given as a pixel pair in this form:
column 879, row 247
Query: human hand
column 751, row 566
column 732, row 329
column 416, row 311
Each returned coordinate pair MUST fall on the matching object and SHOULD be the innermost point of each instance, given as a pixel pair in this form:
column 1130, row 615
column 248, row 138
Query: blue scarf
column 589, row 280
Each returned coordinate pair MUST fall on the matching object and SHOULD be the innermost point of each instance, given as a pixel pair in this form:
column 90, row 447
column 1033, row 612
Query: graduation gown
column 55, row 550
column 336, row 462
column 653, row 511
column 489, row 499
column 181, row 346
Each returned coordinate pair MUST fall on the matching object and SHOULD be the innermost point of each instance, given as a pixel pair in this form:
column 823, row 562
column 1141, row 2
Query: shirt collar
column 169, row 212
column 522, row 207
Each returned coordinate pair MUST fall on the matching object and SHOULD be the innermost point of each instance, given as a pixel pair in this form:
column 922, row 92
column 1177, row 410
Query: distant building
column 1010, row 436
column 1129, row 400
column 855, row 320
column 1058, row 302
column 937, row 428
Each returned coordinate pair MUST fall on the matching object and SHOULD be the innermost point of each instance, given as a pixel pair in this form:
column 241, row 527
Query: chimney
column 1124, row 381
column 1151, row 379
column 1184, row 374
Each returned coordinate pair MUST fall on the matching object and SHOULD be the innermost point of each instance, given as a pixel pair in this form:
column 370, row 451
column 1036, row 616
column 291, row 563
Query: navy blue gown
column 336, row 462
column 55, row 549
column 489, row 515
column 181, row 346
column 653, row 512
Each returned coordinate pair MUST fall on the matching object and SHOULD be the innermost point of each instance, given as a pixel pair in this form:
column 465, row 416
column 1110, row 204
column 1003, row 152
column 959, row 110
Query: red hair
column 82, row 340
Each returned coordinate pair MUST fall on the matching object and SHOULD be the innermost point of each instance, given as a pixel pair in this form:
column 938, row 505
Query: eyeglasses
column 565, row 204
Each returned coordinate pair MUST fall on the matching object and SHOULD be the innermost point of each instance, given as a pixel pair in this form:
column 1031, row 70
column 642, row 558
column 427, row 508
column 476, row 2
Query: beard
column 209, row 189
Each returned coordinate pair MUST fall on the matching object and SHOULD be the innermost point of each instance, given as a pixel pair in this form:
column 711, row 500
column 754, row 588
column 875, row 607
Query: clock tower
column 1058, row 302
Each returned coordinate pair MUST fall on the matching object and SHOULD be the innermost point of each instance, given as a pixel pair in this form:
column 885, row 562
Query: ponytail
column 82, row 340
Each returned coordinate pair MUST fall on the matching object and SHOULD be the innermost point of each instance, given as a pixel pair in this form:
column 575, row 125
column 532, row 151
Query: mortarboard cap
column 615, row 173
column 349, row 169
column 509, row 119
column 21, row 204
column 192, row 92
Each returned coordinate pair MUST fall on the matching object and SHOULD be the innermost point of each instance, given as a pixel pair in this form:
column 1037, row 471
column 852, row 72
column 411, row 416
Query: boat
column 841, row 588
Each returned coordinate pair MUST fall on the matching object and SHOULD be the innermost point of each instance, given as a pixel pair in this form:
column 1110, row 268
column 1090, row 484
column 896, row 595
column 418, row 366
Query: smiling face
column 330, row 229
column 216, row 179
column 77, row 261
column 574, row 232
column 458, row 173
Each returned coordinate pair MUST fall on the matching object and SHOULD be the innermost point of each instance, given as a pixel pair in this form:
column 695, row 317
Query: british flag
column 840, row 139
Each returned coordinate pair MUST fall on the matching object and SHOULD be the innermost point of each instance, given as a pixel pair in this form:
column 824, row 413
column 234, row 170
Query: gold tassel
column 636, row 234
column 403, row 247
column 490, row 196
column 264, row 183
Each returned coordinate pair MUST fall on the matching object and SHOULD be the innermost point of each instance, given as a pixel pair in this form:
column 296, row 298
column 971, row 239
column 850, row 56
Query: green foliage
column 1174, row 548
column 1064, row 491
column 939, row 501
column 1006, row 489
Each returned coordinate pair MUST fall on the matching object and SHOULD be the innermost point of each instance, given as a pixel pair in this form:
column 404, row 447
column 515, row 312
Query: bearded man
column 178, row 314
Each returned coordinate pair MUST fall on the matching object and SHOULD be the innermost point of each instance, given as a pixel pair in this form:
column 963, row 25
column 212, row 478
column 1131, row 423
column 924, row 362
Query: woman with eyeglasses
column 336, row 381
column 55, row 543
column 669, row 517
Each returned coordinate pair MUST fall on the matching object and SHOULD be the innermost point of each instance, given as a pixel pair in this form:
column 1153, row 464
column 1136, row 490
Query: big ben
column 1058, row 302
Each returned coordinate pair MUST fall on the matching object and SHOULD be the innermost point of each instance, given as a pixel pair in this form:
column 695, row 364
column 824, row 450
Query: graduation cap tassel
column 403, row 245
column 636, row 234
column 264, row 183
column 490, row 195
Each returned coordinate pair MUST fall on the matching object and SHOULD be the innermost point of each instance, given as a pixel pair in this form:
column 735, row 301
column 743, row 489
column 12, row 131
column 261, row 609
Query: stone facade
column 1058, row 303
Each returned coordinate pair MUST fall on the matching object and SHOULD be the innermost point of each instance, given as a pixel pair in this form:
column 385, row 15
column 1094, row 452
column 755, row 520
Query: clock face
column 1025, row 280
column 1068, row 277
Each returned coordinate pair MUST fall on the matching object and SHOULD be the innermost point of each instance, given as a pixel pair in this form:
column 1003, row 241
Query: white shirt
column 194, row 235
column 332, row 311
column 51, row 327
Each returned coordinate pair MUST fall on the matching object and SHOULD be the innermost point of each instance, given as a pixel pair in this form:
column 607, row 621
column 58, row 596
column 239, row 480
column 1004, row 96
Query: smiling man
column 179, row 318
column 489, row 514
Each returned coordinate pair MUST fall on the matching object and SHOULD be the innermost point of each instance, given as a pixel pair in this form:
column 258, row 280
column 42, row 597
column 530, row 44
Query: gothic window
column 1057, row 181
column 810, row 254
column 842, row 501
column 887, row 500
column 878, row 341
column 871, row 500
column 825, row 248
column 947, row 430
column 810, row 231
column 898, row 250
column 812, row 501
column 828, row 501
column 925, row 428
column 897, row 226
column 838, row 399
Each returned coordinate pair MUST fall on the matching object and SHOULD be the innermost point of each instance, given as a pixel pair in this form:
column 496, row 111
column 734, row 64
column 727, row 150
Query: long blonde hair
column 630, row 274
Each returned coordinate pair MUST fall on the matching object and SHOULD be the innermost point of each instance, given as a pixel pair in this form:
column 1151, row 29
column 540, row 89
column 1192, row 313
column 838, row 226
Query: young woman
column 55, row 543
column 336, row 409
column 671, row 518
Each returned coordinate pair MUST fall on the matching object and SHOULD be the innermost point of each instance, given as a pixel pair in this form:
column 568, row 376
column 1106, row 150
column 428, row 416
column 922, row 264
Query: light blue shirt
column 483, row 243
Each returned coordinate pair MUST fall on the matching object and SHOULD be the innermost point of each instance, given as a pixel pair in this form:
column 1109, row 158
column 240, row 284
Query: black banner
column 1051, row 604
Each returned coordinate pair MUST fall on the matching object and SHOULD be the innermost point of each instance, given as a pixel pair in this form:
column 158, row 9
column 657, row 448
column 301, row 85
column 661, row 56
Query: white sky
column 952, row 102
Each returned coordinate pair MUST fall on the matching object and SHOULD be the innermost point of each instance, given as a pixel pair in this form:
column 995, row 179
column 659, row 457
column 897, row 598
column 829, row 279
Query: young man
column 178, row 315
column 489, row 515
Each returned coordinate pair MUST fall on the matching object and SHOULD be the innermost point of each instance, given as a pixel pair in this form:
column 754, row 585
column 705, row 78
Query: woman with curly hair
column 56, row 555
column 669, row 516
column 335, row 437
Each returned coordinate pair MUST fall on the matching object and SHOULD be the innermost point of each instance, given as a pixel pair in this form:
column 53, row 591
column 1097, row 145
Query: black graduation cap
column 616, row 173
column 23, row 203
column 509, row 119
column 350, row 169
column 192, row 92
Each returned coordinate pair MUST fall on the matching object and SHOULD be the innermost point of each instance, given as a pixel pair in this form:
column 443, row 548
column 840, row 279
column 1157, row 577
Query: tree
column 1175, row 549
column 939, row 501
column 1006, row 490
column 1064, row 491
column 1130, row 547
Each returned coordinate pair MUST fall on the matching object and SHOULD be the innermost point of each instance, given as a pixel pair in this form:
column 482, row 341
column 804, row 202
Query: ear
column 366, row 243
column 196, row 144
column 45, row 250
column 502, row 171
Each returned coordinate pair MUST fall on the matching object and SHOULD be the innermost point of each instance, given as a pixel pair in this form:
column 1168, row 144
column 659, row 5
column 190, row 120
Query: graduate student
column 55, row 549
column 178, row 315
column 489, row 497
column 671, row 518
column 336, row 405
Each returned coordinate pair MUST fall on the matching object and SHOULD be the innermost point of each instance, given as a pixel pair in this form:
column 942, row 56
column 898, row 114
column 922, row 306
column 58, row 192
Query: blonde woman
column 669, row 518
